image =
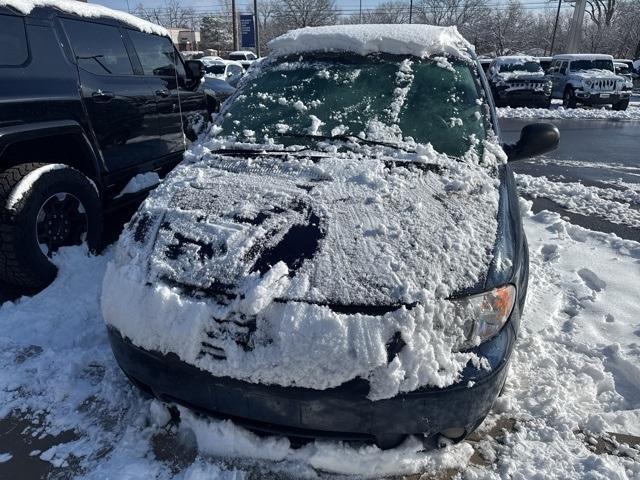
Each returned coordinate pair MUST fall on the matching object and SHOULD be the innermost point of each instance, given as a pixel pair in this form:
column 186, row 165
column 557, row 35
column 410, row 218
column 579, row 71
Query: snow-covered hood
column 595, row 74
column 369, row 235
column 520, row 76
column 301, row 271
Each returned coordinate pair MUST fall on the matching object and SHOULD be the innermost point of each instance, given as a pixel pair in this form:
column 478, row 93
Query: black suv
column 86, row 104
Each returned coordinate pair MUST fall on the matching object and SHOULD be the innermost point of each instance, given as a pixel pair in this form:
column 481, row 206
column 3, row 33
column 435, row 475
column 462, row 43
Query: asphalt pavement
column 592, row 152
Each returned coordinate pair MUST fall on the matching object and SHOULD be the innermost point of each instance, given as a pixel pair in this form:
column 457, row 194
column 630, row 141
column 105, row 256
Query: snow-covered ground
column 574, row 381
column 559, row 112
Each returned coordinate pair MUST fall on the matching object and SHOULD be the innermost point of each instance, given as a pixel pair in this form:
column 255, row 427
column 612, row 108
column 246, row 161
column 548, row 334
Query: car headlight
column 588, row 83
column 486, row 313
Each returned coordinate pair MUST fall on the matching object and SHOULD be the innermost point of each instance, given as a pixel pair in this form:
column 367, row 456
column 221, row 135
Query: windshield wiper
column 346, row 138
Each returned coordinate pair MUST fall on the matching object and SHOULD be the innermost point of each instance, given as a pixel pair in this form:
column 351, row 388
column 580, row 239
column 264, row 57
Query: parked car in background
column 519, row 81
column 625, row 70
column 485, row 63
column 545, row 63
column 192, row 54
column 588, row 79
column 210, row 58
column 245, row 57
column 90, row 99
column 227, row 70
column 289, row 278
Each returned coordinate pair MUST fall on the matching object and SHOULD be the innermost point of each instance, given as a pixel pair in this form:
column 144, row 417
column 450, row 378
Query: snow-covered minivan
column 343, row 255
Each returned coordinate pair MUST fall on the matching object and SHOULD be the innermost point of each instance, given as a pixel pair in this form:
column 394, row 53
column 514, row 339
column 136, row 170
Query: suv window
column 13, row 39
column 99, row 48
column 157, row 55
column 563, row 68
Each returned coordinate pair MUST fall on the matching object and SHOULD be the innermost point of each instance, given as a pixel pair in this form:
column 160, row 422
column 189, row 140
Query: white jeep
column 588, row 79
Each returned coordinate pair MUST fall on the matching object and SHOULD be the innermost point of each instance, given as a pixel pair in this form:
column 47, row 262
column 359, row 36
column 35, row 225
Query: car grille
column 526, row 85
column 604, row 84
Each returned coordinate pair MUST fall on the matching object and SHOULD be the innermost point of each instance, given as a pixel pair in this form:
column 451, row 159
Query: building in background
column 185, row 39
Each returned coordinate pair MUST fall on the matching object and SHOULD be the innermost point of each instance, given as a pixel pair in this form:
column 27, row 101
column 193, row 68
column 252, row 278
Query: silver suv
column 588, row 79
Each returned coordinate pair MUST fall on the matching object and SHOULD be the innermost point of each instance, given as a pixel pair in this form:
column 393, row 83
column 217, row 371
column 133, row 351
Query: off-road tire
column 621, row 105
column 569, row 98
column 22, row 262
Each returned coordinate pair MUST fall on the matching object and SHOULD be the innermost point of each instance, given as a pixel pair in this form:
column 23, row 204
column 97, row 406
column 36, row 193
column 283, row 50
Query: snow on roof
column 241, row 52
column 583, row 56
column 516, row 59
column 417, row 40
column 86, row 10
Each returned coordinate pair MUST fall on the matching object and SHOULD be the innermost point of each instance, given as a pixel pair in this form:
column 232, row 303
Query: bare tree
column 450, row 12
column 171, row 15
column 394, row 11
column 290, row 14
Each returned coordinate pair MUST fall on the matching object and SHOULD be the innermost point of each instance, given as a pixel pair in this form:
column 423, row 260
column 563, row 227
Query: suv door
column 165, row 72
column 120, row 105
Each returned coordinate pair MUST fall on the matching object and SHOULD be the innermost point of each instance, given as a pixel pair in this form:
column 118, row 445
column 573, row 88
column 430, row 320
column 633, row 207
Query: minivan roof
column 86, row 10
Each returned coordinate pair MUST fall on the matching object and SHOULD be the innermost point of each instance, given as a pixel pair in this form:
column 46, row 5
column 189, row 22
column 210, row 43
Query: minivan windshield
column 383, row 98
column 592, row 65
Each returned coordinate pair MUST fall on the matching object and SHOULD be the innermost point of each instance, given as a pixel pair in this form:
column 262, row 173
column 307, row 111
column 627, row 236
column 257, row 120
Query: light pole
column 576, row 27
column 256, row 26
column 360, row 11
column 233, row 23
column 410, row 11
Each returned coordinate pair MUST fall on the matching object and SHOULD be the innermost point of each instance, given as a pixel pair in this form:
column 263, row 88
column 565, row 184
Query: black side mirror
column 535, row 139
column 194, row 69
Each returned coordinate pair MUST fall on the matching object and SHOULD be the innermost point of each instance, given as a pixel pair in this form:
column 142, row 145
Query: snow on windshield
column 381, row 98
column 86, row 10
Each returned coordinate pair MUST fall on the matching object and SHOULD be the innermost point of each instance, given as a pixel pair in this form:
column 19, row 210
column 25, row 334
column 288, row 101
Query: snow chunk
column 87, row 10
column 418, row 40
column 140, row 182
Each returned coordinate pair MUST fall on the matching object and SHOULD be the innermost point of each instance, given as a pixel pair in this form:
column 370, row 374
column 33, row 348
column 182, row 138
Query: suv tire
column 621, row 105
column 569, row 98
column 42, row 208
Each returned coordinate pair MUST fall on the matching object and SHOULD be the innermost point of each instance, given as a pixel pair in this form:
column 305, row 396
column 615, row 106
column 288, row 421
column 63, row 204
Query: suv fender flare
column 32, row 131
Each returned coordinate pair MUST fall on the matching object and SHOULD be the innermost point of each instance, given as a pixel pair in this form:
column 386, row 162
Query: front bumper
column 523, row 97
column 341, row 413
column 602, row 98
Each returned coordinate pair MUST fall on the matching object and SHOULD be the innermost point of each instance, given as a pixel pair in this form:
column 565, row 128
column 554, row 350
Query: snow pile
column 86, row 10
column 631, row 113
column 384, row 240
column 614, row 205
column 574, row 377
column 417, row 40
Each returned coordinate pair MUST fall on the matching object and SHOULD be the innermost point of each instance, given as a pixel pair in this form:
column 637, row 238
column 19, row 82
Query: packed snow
column 573, row 383
column 612, row 204
column 417, row 40
column 631, row 113
column 88, row 10
column 139, row 182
